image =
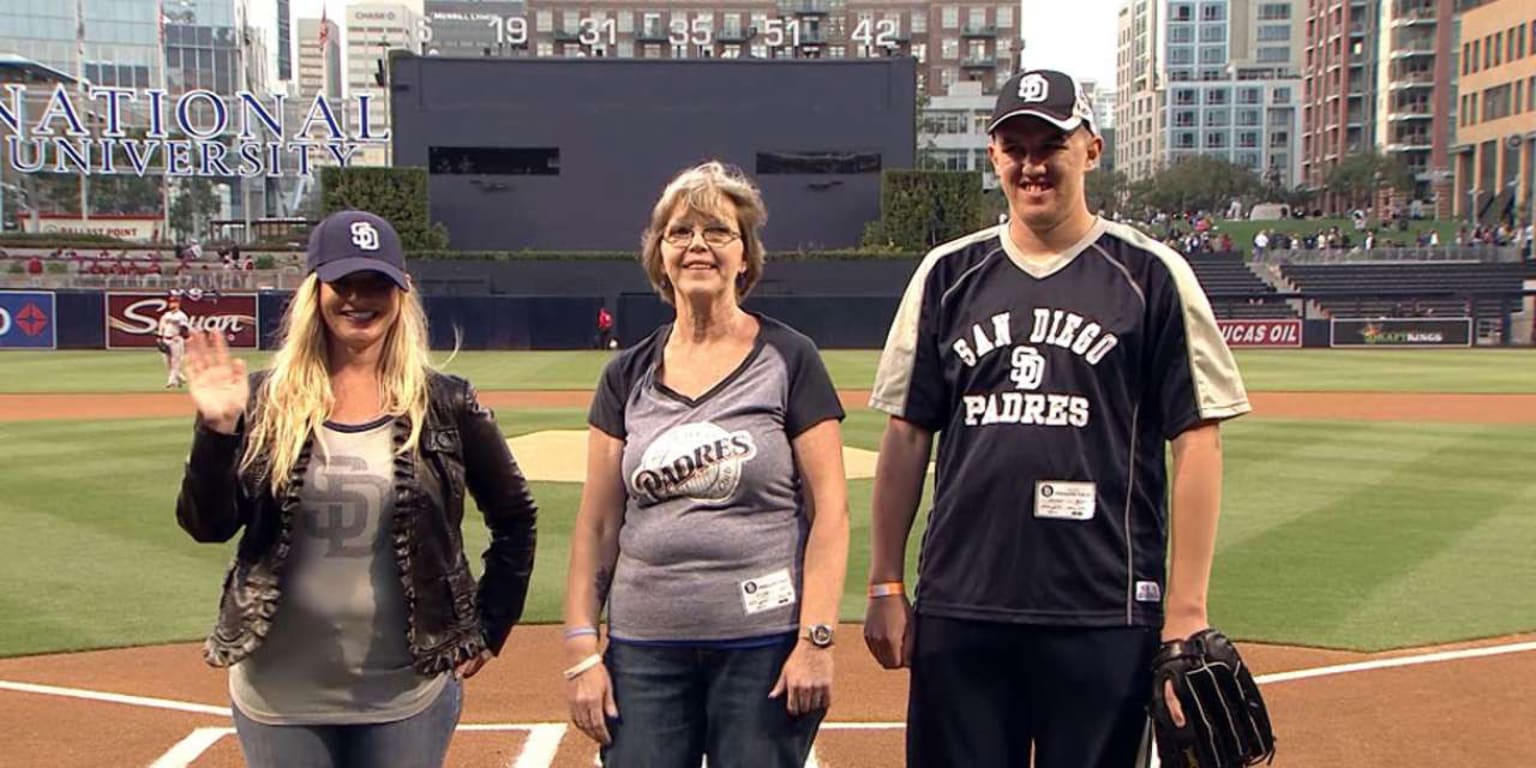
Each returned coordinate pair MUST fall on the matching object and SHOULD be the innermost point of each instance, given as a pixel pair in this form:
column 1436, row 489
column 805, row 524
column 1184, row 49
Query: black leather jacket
column 449, row 619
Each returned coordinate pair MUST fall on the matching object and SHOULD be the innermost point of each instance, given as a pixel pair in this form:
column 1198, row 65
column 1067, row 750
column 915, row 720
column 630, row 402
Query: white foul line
column 540, row 748
column 1404, row 661
column 116, row 698
column 190, row 748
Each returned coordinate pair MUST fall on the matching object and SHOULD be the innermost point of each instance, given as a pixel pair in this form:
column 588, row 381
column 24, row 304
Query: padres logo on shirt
column 698, row 461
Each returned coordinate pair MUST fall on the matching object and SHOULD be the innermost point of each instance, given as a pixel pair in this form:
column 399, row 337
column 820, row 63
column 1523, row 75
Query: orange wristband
column 887, row 589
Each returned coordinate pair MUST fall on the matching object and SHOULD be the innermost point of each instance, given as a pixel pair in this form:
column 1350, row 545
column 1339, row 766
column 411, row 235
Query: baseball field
column 1375, row 559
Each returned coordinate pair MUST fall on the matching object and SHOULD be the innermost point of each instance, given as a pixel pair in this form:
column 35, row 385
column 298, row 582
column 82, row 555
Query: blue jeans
column 419, row 741
column 677, row 705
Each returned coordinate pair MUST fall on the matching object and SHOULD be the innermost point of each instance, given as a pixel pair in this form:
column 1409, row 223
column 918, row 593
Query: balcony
column 1357, row 30
column 1409, row 112
column 729, row 35
column 812, row 38
column 1414, row 48
column 1412, row 80
column 981, row 63
column 567, row 36
column 1410, row 143
column 979, row 31
column 1414, row 17
column 805, row 7
column 652, row 34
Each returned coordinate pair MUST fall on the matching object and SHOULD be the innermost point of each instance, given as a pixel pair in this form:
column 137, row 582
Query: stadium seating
column 1415, row 288
column 1235, row 291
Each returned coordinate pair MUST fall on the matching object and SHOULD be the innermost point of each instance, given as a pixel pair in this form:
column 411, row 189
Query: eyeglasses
column 714, row 235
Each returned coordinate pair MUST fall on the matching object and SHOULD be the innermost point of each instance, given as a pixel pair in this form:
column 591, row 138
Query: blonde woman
column 349, row 617
column 715, row 509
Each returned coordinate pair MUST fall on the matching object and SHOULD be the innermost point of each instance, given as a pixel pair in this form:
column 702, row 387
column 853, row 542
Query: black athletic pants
column 984, row 694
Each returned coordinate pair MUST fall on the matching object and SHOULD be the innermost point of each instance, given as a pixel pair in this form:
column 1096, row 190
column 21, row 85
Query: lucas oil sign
column 1261, row 333
column 134, row 318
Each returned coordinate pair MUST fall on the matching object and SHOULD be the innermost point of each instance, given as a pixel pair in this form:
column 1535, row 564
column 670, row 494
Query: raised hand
column 216, row 382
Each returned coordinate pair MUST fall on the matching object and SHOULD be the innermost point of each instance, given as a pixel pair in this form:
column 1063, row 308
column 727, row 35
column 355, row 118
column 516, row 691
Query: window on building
column 1181, row 34
column 1216, row 96
column 494, row 161
column 1186, row 97
column 950, row 49
column 1248, row 117
column 1466, row 51
column 1213, row 12
column 950, row 17
column 544, row 21
column 1274, row 11
column 1496, row 102
column 1530, row 94
column 1213, row 33
column 1281, row 96
column 919, row 22
column 1184, row 140
column 1248, row 139
column 1274, row 33
column 1216, row 140
column 1273, row 54
column 1005, row 16
column 1182, row 55
column 1509, row 44
column 1186, row 12
column 819, row 163
column 1518, row 104
column 1213, row 54
column 1278, row 138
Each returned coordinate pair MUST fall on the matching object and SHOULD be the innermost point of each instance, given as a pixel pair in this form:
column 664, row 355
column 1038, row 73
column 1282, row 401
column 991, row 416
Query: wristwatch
column 820, row 635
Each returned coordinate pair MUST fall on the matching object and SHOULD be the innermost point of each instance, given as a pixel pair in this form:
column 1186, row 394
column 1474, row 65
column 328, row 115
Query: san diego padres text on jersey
column 1054, row 387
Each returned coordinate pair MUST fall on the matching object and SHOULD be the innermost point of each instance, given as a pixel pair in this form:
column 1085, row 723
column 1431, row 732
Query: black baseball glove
column 1226, row 724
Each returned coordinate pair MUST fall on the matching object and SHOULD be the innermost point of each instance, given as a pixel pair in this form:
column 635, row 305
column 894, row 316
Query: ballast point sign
column 1261, row 333
column 133, row 319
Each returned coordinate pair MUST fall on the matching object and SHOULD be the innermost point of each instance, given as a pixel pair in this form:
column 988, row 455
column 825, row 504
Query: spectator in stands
column 1226, row 243
column 701, row 657
column 1260, row 242
column 350, row 618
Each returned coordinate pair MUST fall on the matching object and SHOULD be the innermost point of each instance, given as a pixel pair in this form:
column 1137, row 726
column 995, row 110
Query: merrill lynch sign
column 196, row 134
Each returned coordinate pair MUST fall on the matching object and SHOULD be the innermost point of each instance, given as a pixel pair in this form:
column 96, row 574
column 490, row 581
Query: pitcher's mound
column 560, row 456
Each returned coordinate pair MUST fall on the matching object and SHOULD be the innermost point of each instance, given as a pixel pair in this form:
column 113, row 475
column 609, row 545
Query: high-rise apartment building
column 1228, row 84
column 373, row 30
column 953, row 42
column 1139, row 117
column 1494, row 159
column 1378, row 77
column 319, row 43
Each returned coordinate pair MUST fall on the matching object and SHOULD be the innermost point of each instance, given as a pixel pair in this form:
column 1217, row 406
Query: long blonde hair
column 297, row 397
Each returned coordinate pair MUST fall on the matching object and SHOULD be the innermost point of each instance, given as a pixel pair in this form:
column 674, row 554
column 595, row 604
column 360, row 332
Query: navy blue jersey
column 1053, row 387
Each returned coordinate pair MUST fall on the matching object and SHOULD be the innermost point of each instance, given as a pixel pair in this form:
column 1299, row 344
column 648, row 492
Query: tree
column 1105, row 190
column 192, row 202
column 1357, row 177
column 1198, row 183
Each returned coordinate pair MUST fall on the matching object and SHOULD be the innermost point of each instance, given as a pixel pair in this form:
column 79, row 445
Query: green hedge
column 57, row 240
column 921, row 209
column 398, row 195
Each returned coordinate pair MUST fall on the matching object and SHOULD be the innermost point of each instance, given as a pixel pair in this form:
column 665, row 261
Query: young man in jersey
column 1055, row 355
column 170, row 339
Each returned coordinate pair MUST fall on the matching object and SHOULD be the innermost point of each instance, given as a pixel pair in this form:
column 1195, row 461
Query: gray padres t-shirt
column 713, row 541
column 337, row 651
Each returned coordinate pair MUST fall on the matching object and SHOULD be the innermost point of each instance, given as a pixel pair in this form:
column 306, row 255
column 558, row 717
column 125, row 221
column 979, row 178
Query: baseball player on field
column 1054, row 355
column 170, row 339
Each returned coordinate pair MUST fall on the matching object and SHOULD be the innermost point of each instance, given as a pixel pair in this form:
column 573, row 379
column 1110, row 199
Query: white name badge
column 1065, row 500
column 766, row 593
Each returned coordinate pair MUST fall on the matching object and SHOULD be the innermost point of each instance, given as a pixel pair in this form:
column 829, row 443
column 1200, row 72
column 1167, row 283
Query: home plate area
column 551, row 745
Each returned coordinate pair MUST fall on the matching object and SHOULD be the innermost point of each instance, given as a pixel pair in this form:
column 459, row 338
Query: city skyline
column 1078, row 38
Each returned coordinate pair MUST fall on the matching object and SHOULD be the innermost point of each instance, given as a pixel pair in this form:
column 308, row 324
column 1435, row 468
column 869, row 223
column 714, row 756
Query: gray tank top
column 337, row 652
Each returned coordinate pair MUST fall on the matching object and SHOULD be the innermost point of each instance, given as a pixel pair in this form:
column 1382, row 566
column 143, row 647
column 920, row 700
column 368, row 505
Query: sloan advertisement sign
column 134, row 318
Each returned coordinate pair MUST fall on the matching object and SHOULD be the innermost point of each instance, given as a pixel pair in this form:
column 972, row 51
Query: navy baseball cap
column 356, row 241
column 1053, row 96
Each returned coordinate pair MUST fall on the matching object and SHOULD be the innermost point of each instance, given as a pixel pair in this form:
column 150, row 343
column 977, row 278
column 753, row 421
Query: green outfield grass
column 1356, row 535
column 1458, row 370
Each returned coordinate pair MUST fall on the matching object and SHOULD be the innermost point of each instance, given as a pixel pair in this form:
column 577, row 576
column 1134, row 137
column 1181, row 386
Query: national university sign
column 146, row 132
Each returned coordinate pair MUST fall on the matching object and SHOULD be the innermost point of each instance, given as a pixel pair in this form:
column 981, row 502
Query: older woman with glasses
column 714, row 521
